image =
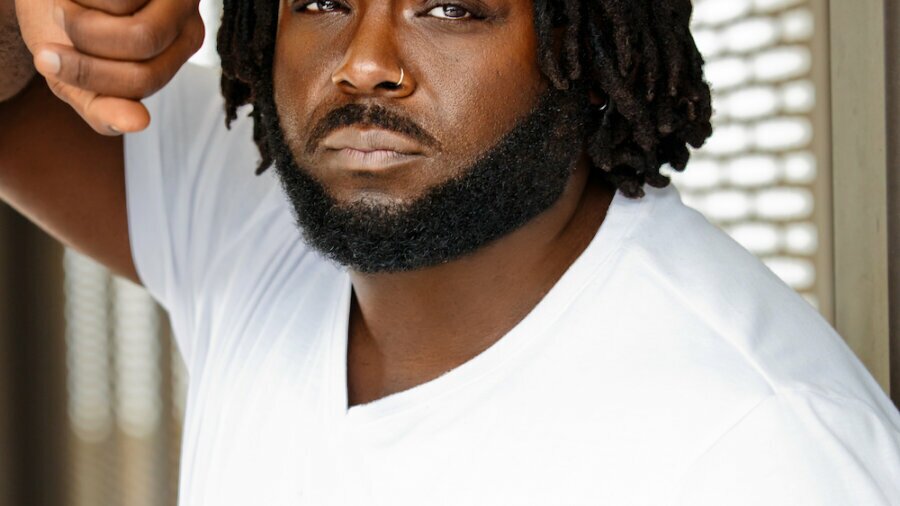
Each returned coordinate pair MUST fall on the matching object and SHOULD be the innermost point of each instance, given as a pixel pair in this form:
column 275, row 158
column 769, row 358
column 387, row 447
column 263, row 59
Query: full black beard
column 517, row 179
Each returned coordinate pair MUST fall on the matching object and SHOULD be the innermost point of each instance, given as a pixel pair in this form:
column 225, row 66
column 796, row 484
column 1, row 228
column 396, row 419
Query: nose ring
column 402, row 75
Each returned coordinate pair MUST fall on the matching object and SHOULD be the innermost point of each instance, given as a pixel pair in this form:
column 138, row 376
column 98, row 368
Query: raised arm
column 61, row 164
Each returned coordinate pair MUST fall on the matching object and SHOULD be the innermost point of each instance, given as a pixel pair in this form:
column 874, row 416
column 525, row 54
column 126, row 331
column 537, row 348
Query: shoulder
column 801, row 446
column 199, row 218
column 757, row 391
column 702, row 282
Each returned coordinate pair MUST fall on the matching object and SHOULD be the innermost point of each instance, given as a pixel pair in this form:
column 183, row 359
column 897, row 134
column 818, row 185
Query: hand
column 103, row 56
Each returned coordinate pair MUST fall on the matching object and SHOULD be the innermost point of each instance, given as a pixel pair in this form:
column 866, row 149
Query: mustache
column 369, row 115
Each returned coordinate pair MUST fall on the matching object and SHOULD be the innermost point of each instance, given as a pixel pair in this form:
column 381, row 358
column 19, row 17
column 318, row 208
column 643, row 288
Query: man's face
column 390, row 175
column 470, row 71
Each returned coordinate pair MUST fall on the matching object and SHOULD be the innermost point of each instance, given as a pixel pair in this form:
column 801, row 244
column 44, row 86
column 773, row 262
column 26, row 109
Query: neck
column 410, row 327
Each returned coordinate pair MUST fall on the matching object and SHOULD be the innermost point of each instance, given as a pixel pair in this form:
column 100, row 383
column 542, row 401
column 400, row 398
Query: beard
column 515, row 180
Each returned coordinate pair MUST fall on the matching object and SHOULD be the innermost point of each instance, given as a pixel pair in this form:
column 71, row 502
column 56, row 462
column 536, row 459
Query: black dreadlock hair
column 638, row 53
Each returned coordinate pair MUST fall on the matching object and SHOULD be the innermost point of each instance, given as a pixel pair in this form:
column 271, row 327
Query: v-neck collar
column 620, row 218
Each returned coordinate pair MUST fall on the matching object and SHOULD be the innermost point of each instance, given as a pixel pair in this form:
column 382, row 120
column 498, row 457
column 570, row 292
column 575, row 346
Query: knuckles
column 130, row 38
column 142, row 68
column 145, row 39
column 196, row 32
column 127, row 80
column 142, row 81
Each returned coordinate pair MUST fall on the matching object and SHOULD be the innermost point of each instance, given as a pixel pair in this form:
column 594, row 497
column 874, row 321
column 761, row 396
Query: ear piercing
column 605, row 105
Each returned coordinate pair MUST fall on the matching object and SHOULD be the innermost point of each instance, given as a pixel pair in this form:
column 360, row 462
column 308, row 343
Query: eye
column 450, row 11
column 318, row 6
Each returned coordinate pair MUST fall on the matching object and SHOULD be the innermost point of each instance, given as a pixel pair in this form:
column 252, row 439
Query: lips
column 370, row 149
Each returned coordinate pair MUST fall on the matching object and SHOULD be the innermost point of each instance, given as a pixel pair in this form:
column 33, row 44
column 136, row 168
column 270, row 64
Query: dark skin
column 453, row 312
column 467, row 81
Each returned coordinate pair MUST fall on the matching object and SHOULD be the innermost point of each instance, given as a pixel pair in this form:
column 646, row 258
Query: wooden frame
column 892, row 71
column 859, row 176
column 33, row 345
column 821, row 148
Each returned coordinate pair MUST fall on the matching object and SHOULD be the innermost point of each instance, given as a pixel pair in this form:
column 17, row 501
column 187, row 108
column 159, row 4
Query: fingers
column 106, row 115
column 141, row 36
column 124, row 50
column 127, row 79
column 117, row 7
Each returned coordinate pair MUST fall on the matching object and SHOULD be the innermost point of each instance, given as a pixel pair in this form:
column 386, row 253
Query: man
column 495, row 298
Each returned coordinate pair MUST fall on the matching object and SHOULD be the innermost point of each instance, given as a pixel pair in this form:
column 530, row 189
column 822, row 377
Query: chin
column 365, row 190
column 374, row 199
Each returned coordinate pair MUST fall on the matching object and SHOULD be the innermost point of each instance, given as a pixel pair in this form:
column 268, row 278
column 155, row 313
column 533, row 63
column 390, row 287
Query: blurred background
column 800, row 171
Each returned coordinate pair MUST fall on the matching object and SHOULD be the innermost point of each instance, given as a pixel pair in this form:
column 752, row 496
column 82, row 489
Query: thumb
column 105, row 114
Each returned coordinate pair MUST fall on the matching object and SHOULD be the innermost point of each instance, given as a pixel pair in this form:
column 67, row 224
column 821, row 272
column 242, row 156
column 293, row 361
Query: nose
column 371, row 65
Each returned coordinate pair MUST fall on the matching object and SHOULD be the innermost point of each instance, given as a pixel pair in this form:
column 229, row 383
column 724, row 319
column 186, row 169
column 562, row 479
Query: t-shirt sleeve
column 190, row 186
column 801, row 448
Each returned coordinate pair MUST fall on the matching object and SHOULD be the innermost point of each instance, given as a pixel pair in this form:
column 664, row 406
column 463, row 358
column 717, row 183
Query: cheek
column 297, row 80
column 478, row 91
column 288, row 93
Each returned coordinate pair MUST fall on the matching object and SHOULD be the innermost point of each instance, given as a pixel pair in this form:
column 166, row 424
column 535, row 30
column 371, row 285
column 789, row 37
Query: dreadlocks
column 639, row 53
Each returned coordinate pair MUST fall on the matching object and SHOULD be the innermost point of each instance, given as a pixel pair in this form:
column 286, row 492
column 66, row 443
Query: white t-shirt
column 667, row 366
